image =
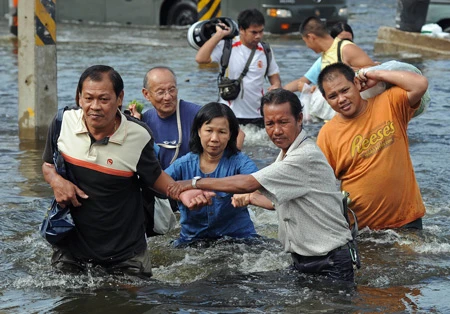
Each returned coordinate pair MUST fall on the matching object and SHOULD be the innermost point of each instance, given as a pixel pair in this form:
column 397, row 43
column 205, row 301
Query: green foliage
column 138, row 105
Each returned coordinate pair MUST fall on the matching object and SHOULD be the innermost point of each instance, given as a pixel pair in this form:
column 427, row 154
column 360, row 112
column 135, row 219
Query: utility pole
column 37, row 67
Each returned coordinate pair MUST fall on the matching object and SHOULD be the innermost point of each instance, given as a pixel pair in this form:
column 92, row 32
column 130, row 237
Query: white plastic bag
column 399, row 66
column 305, row 99
column 317, row 105
column 164, row 219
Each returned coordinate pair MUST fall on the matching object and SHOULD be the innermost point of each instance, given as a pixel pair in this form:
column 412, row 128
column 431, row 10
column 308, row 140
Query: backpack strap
column 268, row 53
column 57, row 129
column 226, row 53
column 58, row 160
column 339, row 54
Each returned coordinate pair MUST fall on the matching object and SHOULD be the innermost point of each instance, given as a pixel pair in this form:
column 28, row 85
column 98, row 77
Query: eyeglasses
column 161, row 93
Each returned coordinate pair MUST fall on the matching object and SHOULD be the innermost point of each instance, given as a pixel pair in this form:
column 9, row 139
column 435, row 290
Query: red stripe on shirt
column 239, row 43
column 98, row 168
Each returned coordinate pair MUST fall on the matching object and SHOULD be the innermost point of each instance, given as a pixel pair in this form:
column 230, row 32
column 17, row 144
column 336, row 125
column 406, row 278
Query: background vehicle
column 146, row 12
column 439, row 13
column 282, row 16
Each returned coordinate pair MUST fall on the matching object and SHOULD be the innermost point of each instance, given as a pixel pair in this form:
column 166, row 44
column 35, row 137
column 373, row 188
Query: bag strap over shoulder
column 247, row 65
column 58, row 160
column 180, row 137
column 339, row 47
column 57, row 130
column 268, row 53
column 226, row 53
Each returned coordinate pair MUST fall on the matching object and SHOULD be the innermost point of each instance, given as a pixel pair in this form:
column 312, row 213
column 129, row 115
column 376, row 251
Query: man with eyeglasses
column 170, row 120
column 251, row 27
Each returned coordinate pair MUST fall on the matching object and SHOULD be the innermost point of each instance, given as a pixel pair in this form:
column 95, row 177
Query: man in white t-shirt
column 246, row 106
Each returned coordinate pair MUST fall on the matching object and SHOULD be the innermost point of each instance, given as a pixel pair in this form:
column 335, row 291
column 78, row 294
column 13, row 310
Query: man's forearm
column 204, row 53
column 235, row 184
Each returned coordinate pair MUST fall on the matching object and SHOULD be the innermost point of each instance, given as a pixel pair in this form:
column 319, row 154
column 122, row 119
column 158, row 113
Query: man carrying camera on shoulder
column 241, row 84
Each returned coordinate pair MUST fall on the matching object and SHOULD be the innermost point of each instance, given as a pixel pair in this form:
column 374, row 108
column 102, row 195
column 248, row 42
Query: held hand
column 240, row 200
column 222, row 30
column 174, row 189
column 134, row 111
column 195, row 199
column 366, row 79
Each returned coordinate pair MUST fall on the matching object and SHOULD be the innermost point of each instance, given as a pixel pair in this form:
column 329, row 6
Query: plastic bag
column 316, row 104
column 164, row 219
column 57, row 223
column 399, row 66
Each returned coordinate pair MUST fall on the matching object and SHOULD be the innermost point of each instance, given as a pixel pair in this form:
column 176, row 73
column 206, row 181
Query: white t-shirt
column 247, row 104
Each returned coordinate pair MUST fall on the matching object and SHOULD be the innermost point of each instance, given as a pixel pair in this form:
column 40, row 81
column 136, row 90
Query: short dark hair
column 340, row 27
column 158, row 67
column 280, row 96
column 250, row 17
column 330, row 71
column 95, row 73
column 313, row 25
column 205, row 115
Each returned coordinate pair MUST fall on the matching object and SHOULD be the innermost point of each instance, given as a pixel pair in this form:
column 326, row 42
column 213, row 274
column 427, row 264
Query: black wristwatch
column 194, row 181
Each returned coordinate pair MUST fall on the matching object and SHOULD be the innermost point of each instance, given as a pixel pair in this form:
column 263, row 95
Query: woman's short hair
column 205, row 115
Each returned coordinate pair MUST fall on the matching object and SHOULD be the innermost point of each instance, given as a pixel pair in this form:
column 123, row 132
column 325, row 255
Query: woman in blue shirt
column 213, row 154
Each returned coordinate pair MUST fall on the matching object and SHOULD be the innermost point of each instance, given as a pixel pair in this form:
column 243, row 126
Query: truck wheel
column 183, row 12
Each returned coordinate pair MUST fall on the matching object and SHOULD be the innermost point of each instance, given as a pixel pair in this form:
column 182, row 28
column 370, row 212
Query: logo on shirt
column 109, row 161
column 260, row 64
column 374, row 142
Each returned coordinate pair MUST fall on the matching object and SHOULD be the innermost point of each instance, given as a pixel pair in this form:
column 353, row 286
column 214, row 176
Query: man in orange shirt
column 366, row 143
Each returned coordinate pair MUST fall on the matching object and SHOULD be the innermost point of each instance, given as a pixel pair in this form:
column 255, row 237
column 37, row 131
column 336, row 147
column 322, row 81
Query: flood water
column 402, row 272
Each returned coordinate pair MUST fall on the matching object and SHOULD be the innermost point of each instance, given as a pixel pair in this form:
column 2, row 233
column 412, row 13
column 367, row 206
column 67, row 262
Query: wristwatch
column 194, row 181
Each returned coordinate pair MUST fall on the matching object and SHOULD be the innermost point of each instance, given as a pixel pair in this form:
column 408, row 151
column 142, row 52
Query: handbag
column 57, row 222
column 229, row 89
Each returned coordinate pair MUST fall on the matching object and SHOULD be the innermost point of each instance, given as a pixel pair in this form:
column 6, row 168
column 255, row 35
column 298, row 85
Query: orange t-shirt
column 370, row 155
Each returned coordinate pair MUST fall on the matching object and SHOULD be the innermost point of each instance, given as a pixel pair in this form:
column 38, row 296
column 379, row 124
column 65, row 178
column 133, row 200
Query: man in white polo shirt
column 251, row 27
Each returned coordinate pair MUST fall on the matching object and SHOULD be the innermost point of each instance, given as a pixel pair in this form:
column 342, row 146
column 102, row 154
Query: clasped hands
column 195, row 198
